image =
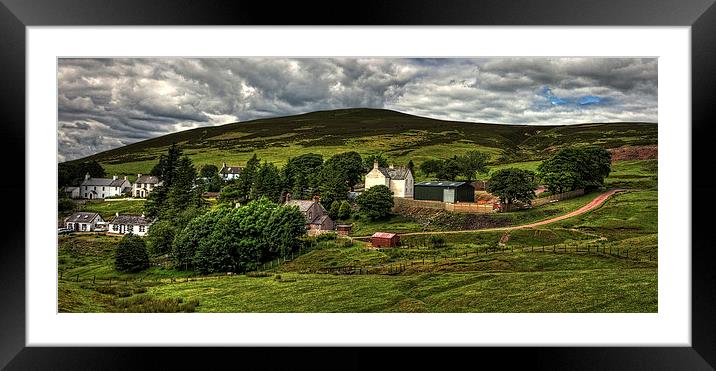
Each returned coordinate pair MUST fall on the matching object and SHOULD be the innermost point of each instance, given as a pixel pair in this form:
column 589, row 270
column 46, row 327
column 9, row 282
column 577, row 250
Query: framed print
column 413, row 177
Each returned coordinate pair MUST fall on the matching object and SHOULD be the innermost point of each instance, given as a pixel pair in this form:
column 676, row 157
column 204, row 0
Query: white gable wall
column 374, row 178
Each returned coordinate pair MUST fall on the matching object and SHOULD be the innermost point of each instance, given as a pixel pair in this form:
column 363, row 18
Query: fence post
column 78, row 277
column 93, row 279
column 61, row 274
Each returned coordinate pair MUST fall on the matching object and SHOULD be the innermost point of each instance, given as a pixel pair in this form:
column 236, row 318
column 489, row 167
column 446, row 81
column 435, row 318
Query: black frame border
column 700, row 15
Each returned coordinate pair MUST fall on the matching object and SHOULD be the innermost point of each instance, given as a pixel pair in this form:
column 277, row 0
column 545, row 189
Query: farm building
column 230, row 172
column 127, row 223
column 144, row 185
column 445, row 191
column 344, row 229
column 317, row 219
column 383, row 239
column 83, row 221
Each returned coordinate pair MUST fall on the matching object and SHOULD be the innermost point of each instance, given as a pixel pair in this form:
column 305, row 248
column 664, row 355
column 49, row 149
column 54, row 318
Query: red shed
column 382, row 239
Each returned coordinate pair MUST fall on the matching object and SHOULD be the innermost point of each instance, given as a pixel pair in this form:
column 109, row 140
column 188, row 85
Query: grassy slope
column 399, row 136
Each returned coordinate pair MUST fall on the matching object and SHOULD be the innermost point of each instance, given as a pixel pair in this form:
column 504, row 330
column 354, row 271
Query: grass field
column 471, row 271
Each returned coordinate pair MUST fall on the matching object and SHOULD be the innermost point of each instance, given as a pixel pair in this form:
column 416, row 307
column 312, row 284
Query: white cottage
column 128, row 223
column 399, row 179
column 230, row 172
column 92, row 188
column 144, row 185
column 83, row 221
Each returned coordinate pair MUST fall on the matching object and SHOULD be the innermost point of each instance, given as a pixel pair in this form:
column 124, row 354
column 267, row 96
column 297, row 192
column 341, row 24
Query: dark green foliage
column 466, row 166
column 435, row 241
column 376, row 202
column 369, row 161
column 575, row 168
column 411, row 166
column 160, row 237
column 177, row 192
column 73, row 173
column 66, row 206
column 131, row 254
column 246, row 236
column 282, row 231
column 344, row 212
column 512, row 185
column 187, row 241
column 299, row 175
column 208, row 171
column 333, row 210
column 333, row 185
column 267, row 183
column 349, row 166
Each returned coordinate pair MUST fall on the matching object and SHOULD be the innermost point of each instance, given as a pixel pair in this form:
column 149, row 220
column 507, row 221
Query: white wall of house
column 230, row 176
column 142, row 189
column 83, row 227
column 374, row 178
column 139, row 230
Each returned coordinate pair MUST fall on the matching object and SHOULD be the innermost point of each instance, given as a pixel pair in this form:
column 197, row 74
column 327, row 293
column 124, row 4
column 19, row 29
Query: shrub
column 131, row 254
column 160, row 237
column 259, row 274
column 436, row 241
column 330, row 236
column 376, row 202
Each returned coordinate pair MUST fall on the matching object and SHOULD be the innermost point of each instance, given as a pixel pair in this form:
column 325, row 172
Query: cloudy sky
column 108, row 103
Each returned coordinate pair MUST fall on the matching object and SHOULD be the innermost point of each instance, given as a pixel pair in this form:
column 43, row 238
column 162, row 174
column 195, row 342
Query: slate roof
column 130, row 219
column 104, row 182
column 396, row 173
column 82, row 217
column 231, row 170
column 148, row 179
column 319, row 219
column 440, row 183
column 303, row 205
column 70, row 189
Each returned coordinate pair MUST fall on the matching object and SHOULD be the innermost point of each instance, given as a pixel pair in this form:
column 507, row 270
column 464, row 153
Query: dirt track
column 597, row 201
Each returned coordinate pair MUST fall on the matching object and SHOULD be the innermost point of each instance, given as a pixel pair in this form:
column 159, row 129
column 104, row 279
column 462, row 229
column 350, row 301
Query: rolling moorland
column 604, row 260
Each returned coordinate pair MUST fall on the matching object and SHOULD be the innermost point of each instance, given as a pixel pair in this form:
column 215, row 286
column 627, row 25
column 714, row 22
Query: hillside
column 401, row 137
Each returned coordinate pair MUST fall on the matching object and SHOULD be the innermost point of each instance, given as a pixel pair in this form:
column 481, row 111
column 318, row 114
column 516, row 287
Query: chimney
column 142, row 215
column 224, row 165
column 391, row 166
column 87, row 176
column 114, row 177
column 116, row 214
column 125, row 177
column 139, row 176
column 375, row 164
column 316, row 198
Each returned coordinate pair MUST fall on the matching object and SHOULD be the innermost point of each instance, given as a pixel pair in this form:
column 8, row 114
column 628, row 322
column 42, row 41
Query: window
column 141, row 228
column 103, row 188
column 84, row 227
column 115, row 227
column 95, row 188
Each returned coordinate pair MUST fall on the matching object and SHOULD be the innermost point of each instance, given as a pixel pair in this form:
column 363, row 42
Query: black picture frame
column 700, row 15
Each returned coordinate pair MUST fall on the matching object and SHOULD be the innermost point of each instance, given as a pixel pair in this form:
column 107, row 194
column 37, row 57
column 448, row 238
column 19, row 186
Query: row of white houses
column 119, row 225
column 99, row 188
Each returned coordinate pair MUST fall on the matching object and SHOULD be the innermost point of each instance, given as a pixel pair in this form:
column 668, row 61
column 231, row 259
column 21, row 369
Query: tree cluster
column 131, row 254
column 238, row 239
column 512, row 185
column 575, row 168
column 72, row 173
column 466, row 166
column 376, row 202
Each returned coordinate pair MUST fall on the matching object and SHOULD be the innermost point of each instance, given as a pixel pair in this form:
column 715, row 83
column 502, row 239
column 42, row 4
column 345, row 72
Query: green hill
column 399, row 136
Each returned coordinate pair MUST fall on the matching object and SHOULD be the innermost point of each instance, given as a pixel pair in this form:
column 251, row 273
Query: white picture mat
column 670, row 326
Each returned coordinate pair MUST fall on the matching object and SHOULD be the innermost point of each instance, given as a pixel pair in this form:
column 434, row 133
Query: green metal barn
column 445, row 191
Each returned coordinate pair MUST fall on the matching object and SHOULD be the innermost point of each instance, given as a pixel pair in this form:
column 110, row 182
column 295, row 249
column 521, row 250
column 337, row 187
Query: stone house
column 317, row 219
column 230, row 172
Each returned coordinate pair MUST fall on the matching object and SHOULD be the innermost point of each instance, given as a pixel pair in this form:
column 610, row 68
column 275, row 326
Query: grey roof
column 104, row 182
column 130, row 219
column 303, row 205
column 440, row 183
column 231, row 170
column 320, row 219
column 70, row 189
column 396, row 173
column 82, row 217
column 148, row 179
